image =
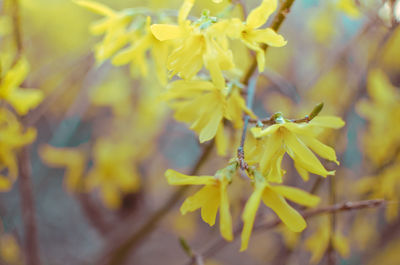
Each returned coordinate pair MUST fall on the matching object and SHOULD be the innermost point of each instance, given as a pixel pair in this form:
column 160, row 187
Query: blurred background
column 105, row 125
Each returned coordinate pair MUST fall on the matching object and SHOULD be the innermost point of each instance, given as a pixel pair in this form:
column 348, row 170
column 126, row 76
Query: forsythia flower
column 210, row 198
column 12, row 137
column 349, row 7
column 274, row 196
column 199, row 43
column 296, row 139
column 318, row 243
column 252, row 36
column 10, row 251
column 381, row 110
column 113, row 26
column 205, row 106
column 113, row 171
column 135, row 54
column 21, row 99
column 72, row 159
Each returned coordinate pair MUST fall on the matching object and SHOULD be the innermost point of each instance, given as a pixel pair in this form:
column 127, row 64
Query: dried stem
column 28, row 209
column 220, row 243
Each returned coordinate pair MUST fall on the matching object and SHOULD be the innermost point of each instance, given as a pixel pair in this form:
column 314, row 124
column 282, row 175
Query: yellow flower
column 252, row 36
column 205, row 106
column 274, row 197
column 135, row 54
column 21, row 99
column 12, row 137
column 296, row 139
column 349, row 7
column 210, row 198
column 73, row 159
column 114, row 172
column 200, row 43
column 381, row 110
column 10, row 251
column 318, row 243
column 113, row 26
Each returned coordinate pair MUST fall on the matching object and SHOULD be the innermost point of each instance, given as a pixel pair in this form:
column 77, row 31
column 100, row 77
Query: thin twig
column 220, row 243
column 28, row 209
column 25, row 185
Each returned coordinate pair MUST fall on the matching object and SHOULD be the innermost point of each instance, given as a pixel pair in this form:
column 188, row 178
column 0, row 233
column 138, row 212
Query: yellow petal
column 273, row 145
column 267, row 36
column 14, row 77
column 379, row 87
column 110, row 196
column 96, row 7
column 302, row 172
column 249, row 213
column 185, row 10
column 221, row 140
column 176, row 178
column 164, row 32
column 341, row 244
column 260, row 14
column 321, row 149
column 225, row 218
column 208, row 199
column 303, row 155
column 327, row 122
column 297, row 195
column 24, row 100
column 286, row 213
column 5, row 184
column 258, row 132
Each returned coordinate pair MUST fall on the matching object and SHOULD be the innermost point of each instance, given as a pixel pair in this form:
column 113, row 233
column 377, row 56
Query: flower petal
column 303, row 155
column 208, row 199
column 176, row 178
column 249, row 213
column 96, row 7
column 164, row 32
column 297, row 195
column 327, row 122
column 321, row 149
column 267, row 36
column 225, row 218
column 286, row 213
column 260, row 14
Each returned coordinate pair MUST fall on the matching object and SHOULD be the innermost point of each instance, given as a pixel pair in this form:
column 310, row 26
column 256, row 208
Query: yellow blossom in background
column 349, row 7
column 12, row 137
column 382, row 108
column 210, row 198
column 114, row 172
column 274, row 196
column 296, row 139
column 318, row 242
column 10, row 251
column 22, row 99
column 72, row 159
column 135, row 54
column 112, row 26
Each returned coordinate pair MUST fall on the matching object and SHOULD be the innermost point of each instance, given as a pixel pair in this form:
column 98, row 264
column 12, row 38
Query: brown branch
column 118, row 251
column 28, row 209
column 220, row 243
column 93, row 214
